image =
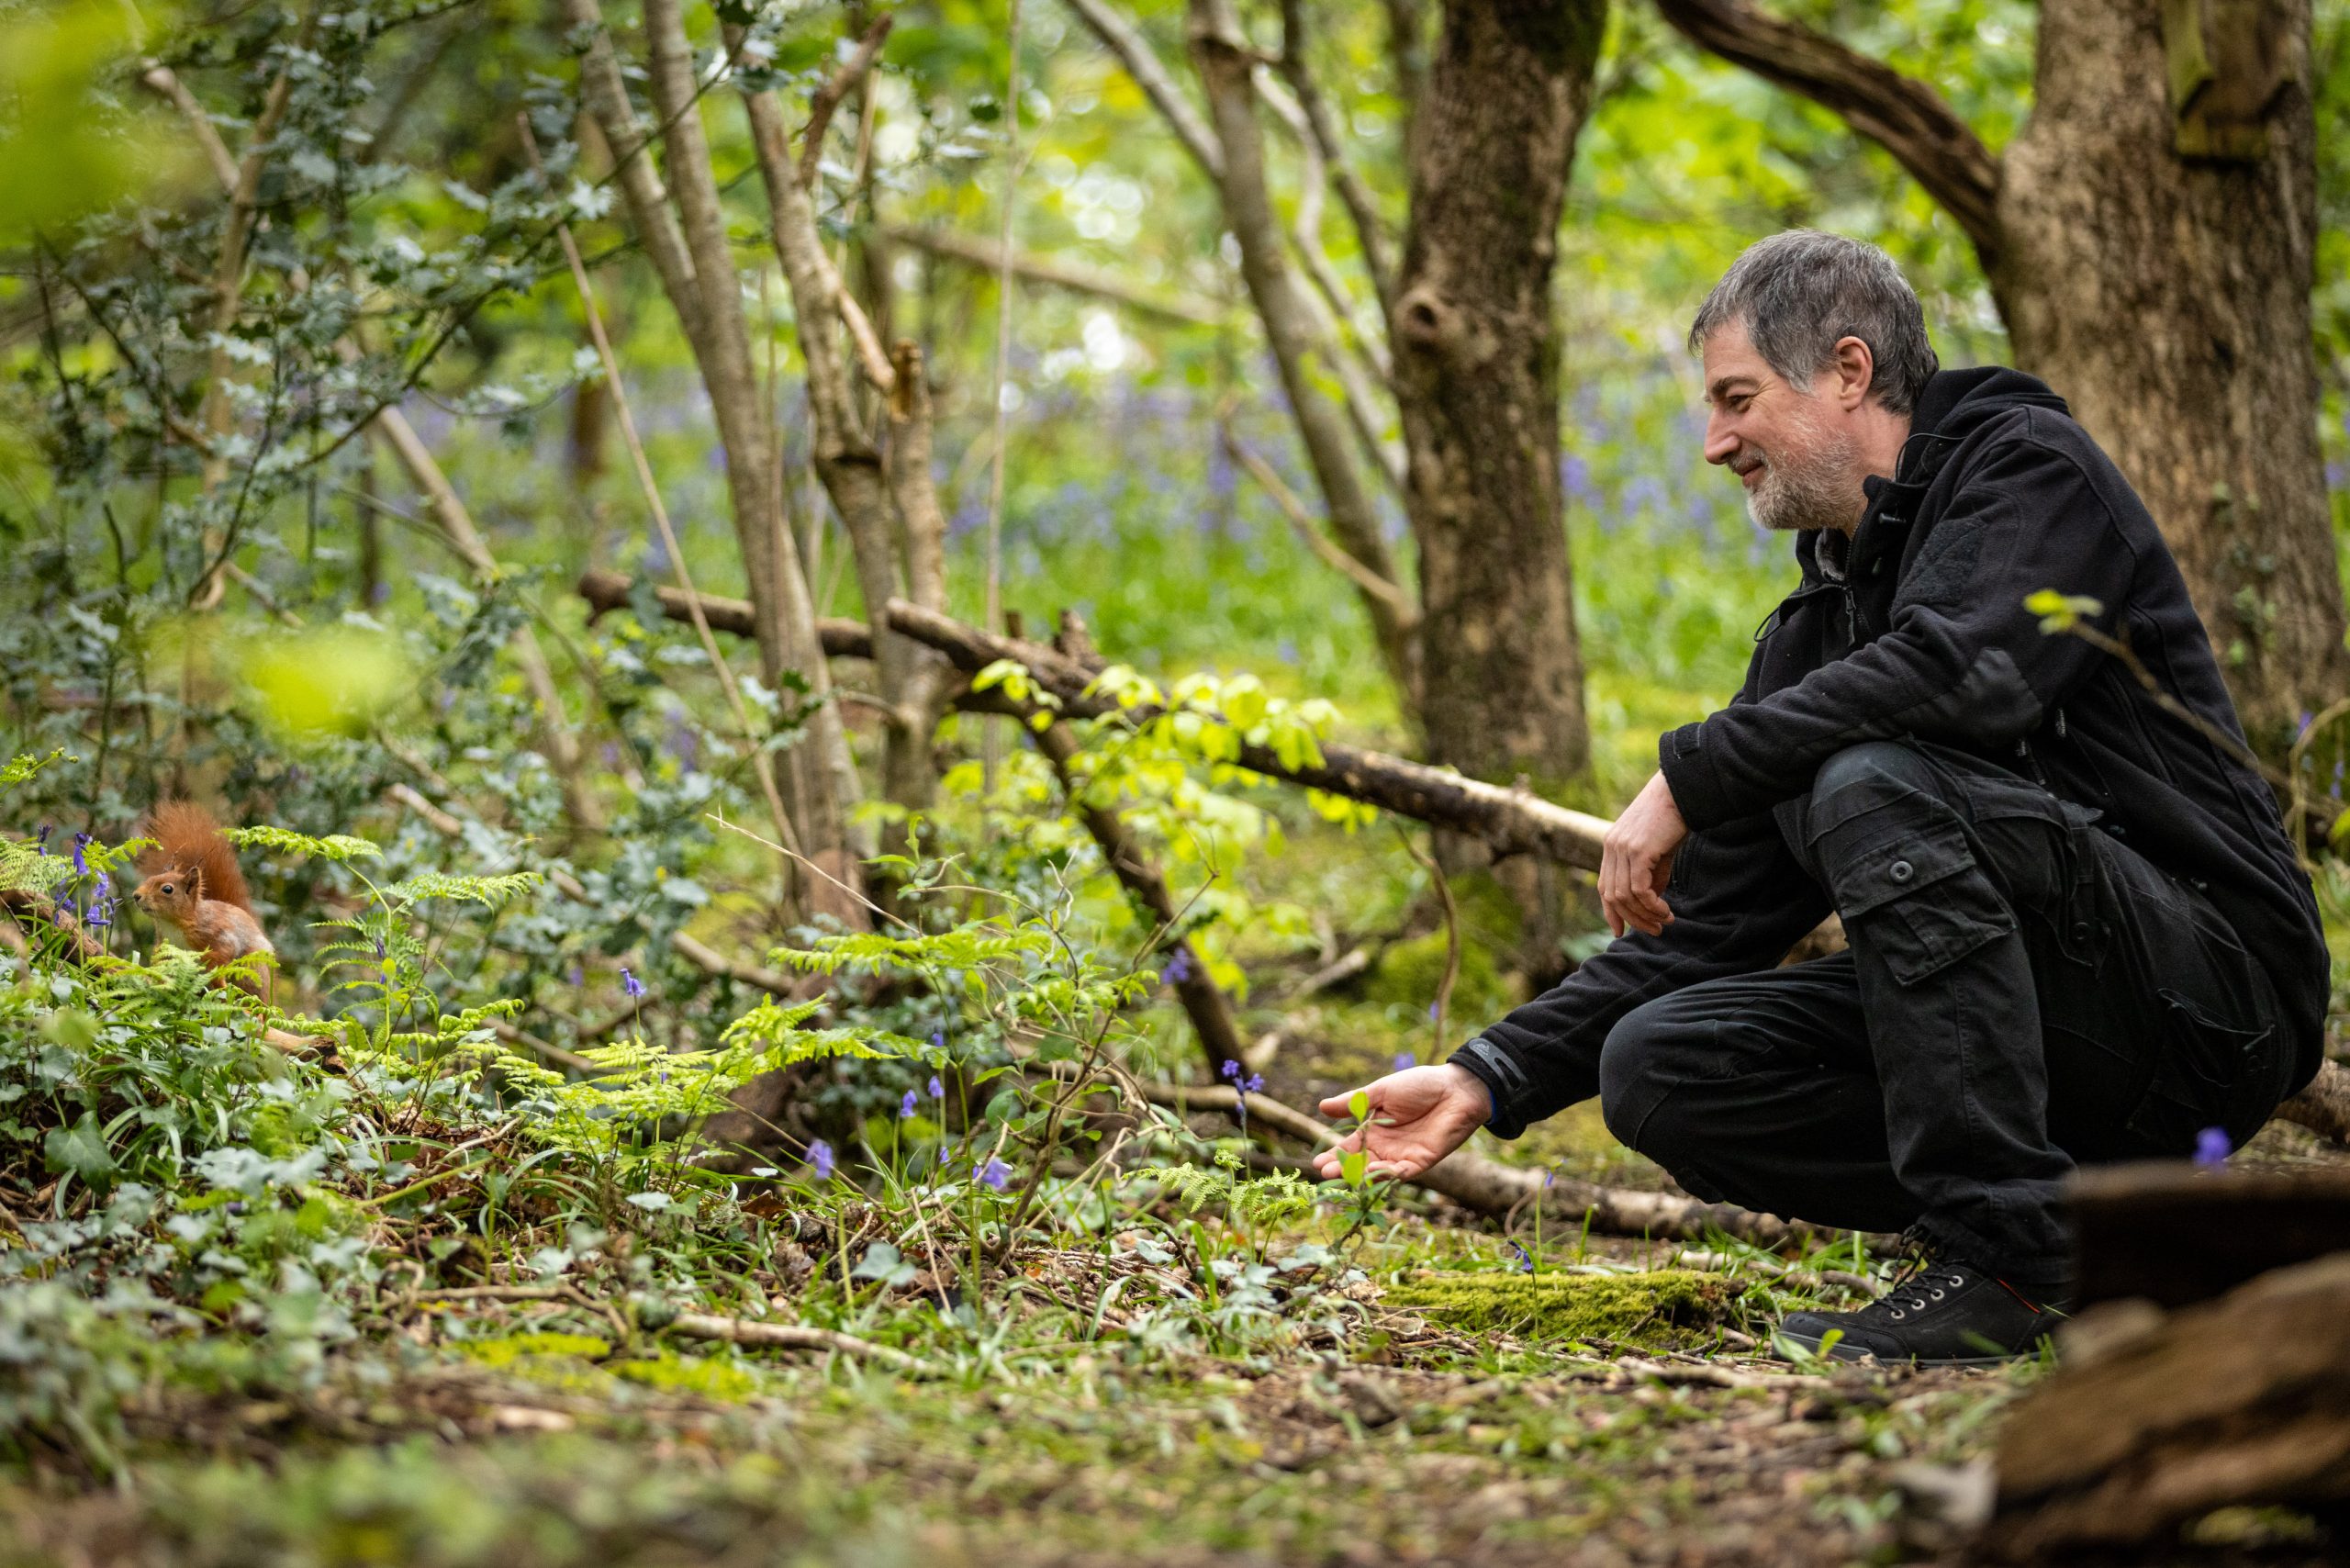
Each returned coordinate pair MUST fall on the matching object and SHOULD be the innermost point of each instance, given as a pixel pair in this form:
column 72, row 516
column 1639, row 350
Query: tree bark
column 2164, row 293
column 1477, row 381
column 2167, row 297
column 689, row 252
column 1226, row 63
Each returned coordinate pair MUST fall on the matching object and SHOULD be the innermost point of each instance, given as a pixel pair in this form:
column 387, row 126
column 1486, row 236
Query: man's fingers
column 1336, row 1105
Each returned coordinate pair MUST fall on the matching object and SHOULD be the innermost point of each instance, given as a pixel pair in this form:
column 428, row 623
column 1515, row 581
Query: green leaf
column 1352, row 1166
column 80, row 1150
column 1359, row 1104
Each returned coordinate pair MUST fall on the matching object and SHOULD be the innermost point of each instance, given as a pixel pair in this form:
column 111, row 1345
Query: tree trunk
column 2168, row 298
column 1477, row 381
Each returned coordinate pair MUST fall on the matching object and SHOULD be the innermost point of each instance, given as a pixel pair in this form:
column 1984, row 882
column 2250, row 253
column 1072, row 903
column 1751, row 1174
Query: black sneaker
column 1937, row 1313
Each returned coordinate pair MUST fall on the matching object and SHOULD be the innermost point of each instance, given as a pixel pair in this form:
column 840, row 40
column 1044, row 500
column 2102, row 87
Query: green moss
column 1666, row 1307
column 1408, row 973
column 711, row 1378
column 516, row 1348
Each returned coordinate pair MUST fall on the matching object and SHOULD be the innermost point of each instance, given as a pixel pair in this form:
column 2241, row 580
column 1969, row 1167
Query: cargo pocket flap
column 1900, row 866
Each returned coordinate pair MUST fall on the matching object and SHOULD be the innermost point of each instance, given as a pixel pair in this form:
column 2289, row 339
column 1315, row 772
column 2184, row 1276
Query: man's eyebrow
column 1721, row 388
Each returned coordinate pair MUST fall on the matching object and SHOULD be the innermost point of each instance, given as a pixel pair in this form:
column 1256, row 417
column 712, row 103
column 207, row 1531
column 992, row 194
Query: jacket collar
column 1953, row 403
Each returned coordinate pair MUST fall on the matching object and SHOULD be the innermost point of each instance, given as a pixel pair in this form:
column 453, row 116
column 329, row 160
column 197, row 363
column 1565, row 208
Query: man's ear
column 1854, row 370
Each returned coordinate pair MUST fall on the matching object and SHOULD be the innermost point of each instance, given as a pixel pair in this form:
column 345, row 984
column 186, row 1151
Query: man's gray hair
column 1800, row 292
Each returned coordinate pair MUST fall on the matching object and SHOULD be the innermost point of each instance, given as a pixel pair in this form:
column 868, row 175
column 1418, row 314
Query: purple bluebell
column 820, row 1159
column 2212, row 1146
column 938, row 1038
column 906, row 1106
column 81, row 865
column 992, row 1172
column 1525, row 1264
column 1431, row 1011
column 1178, row 967
column 937, row 1090
column 630, row 984
column 41, row 840
column 1404, row 1059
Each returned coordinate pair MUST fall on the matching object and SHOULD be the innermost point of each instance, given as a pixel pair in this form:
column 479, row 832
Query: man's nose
column 1721, row 443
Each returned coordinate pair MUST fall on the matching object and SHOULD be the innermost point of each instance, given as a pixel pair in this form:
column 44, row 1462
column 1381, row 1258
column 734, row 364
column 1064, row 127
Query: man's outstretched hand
column 1636, row 860
column 1418, row 1117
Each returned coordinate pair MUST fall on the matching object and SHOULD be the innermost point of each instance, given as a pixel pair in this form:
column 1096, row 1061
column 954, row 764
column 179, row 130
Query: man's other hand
column 1418, row 1117
column 1636, row 860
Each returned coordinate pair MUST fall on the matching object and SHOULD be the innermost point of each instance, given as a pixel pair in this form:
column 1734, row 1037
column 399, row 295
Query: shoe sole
column 1840, row 1352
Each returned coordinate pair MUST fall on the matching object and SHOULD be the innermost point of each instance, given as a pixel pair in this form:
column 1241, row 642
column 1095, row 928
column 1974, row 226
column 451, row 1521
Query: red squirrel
column 193, row 886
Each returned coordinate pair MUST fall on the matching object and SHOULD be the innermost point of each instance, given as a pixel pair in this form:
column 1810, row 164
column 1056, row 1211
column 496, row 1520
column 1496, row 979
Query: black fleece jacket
column 1923, row 632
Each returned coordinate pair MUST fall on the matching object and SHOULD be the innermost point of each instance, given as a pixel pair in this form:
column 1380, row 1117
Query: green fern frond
column 491, row 891
column 23, row 765
column 338, row 846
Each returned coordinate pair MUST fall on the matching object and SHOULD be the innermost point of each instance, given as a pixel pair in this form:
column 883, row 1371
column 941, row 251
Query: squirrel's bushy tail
column 186, row 837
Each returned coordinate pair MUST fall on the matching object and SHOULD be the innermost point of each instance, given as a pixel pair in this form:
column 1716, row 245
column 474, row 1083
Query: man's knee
column 1636, row 1073
column 1887, row 768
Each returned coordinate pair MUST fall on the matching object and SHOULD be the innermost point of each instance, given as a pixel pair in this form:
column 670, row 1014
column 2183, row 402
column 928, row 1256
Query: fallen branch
column 1491, row 1188
column 606, row 591
column 2325, row 1106
column 1509, row 821
column 793, row 1337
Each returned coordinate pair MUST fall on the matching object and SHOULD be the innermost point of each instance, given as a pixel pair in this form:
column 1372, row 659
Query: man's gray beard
column 1807, row 486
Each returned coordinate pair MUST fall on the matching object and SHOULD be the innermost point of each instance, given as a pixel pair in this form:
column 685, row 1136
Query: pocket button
column 1901, row 870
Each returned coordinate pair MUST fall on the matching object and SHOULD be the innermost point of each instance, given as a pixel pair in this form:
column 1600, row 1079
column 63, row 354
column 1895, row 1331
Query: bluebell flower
column 1525, row 1264
column 2212, row 1146
column 41, row 840
column 81, row 865
column 1404, row 1059
column 1431, row 1011
column 992, row 1172
column 820, row 1159
column 938, row 1038
column 906, row 1106
column 1230, row 1069
column 937, row 1090
column 1178, row 969
column 630, row 984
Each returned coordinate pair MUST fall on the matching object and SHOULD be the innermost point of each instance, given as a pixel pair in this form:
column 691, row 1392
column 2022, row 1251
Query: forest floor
column 1517, row 1434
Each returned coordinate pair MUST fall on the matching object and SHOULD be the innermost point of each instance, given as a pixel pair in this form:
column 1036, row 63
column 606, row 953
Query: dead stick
column 793, row 1337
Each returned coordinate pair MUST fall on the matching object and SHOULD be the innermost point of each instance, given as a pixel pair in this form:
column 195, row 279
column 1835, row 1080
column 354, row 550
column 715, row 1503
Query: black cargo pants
column 2023, row 993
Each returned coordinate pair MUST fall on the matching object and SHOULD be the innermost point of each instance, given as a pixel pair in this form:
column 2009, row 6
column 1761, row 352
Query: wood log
column 2153, row 1419
column 2166, row 1232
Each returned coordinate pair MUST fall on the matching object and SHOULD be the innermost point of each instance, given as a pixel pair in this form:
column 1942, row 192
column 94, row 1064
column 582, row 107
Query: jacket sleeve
column 1740, row 901
column 1962, row 661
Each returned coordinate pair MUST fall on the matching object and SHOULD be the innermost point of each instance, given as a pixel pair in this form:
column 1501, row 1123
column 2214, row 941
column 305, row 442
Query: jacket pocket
column 1920, row 900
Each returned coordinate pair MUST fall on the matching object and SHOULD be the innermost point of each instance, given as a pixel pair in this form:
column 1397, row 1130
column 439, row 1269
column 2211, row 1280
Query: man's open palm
column 1418, row 1117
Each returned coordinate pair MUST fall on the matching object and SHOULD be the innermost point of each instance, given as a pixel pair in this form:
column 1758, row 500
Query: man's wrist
column 1476, row 1086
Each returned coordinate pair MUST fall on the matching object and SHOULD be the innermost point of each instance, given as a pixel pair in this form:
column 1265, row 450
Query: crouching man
column 2078, row 932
